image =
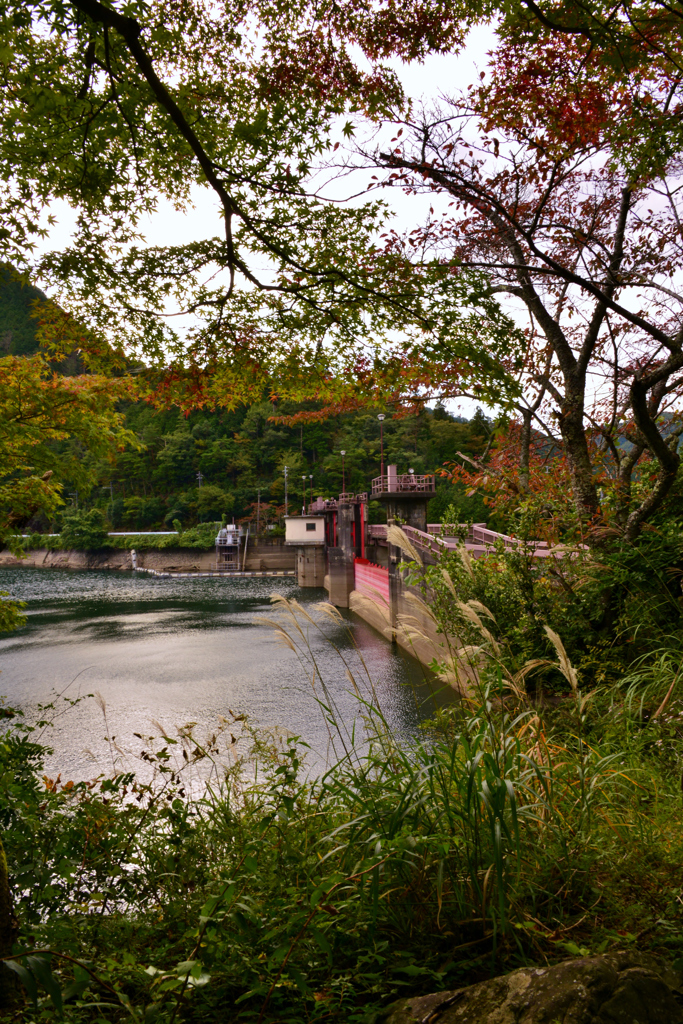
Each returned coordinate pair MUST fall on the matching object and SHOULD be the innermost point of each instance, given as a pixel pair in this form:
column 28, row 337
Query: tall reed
column 270, row 892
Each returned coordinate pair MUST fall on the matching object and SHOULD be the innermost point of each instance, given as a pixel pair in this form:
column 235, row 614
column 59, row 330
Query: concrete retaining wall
column 413, row 628
column 260, row 557
column 42, row 558
column 398, row 612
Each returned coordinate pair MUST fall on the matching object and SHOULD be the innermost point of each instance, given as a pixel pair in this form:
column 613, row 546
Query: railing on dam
column 478, row 541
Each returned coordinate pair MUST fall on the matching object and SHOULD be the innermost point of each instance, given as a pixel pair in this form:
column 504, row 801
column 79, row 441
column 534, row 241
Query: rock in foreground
column 619, row 988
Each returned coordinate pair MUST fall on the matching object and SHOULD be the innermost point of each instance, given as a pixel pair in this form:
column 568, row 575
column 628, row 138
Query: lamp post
column 381, row 417
column 343, row 473
column 303, row 507
column 286, row 503
column 310, row 477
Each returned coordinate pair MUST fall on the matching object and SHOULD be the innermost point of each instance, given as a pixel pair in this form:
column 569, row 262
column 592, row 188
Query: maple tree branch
column 130, row 30
column 660, row 288
column 674, row 386
column 487, row 205
column 549, row 325
column 555, row 26
column 610, row 283
column 649, row 40
column 88, row 60
column 664, row 451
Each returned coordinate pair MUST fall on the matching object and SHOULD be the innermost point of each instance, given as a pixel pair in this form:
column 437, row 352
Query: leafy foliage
column 11, row 616
column 254, row 105
column 47, row 423
column 84, row 530
column 154, row 482
column 613, row 601
column 213, row 873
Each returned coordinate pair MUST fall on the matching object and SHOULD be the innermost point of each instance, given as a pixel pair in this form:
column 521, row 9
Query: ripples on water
column 184, row 650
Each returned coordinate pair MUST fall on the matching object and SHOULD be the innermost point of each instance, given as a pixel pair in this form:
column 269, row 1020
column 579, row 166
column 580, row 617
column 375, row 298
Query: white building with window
column 304, row 530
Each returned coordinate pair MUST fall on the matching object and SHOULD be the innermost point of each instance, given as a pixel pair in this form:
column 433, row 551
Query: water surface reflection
column 183, row 650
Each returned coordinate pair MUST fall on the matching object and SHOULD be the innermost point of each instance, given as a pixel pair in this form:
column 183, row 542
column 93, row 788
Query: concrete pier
column 339, row 580
column 311, row 566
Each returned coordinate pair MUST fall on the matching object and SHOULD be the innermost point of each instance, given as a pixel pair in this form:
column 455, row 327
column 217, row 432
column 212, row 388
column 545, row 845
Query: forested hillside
column 17, row 326
column 213, row 464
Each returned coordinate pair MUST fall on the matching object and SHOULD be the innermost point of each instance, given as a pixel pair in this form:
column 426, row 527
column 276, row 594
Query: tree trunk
column 525, row 449
column 573, row 433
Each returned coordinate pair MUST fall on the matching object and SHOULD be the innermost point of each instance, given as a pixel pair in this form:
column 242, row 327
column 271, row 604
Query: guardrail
column 406, row 483
column 479, row 541
column 437, row 545
column 321, row 505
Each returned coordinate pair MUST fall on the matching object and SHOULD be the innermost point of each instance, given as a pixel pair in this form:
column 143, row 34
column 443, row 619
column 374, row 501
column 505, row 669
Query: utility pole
column 286, row 502
column 258, row 512
column 381, row 418
column 303, row 507
column 343, row 473
column 199, row 488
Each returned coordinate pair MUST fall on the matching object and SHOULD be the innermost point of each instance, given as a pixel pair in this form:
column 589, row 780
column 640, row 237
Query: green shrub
column 84, row 530
column 11, row 614
column 213, row 502
column 612, row 602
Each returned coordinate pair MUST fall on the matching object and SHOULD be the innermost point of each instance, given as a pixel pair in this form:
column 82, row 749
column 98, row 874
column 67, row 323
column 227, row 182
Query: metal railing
column 321, row 505
column 436, row 529
column 405, row 483
column 437, row 545
column 479, row 541
column 332, row 504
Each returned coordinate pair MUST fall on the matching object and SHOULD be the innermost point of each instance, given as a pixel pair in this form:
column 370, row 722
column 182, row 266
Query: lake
column 162, row 652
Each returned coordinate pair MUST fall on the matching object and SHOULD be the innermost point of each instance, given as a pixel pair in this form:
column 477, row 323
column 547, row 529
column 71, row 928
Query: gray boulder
column 617, row 988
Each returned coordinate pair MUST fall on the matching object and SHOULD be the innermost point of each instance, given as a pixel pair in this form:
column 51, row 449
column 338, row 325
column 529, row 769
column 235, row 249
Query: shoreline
column 261, row 559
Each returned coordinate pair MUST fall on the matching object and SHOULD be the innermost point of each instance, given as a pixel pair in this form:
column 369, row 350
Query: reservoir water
column 159, row 653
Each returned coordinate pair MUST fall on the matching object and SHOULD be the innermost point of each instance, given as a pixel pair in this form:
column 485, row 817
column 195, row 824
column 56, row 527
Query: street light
column 343, row 473
column 381, row 417
column 286, row 503
column 303, row 507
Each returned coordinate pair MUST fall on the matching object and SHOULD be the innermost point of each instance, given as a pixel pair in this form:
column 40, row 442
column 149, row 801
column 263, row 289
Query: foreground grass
column 220, row 883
